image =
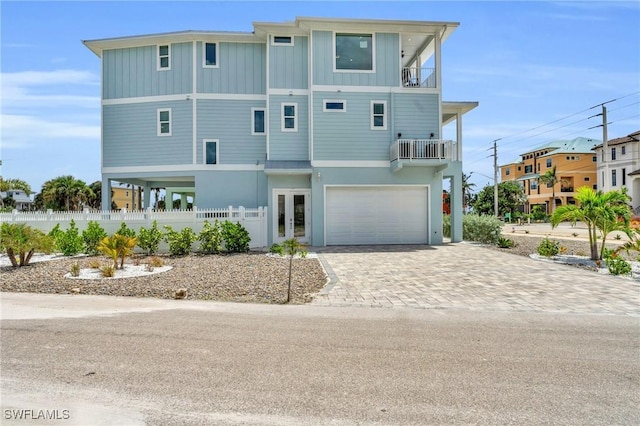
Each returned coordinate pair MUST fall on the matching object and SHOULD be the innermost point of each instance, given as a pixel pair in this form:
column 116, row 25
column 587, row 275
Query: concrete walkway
column 468, row 276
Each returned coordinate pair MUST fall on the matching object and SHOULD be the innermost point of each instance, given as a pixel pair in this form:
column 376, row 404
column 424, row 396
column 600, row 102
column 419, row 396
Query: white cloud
column 48, row 78
column 21, row 131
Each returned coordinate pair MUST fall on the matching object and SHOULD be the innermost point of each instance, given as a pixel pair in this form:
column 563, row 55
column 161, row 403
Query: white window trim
column 204, row 54
column 384, row 116
column 373, row 52
column 204, row 152
column 253, row 121
column 295, row 117
column 326, row 101
column 273, row 38
column 159, row 122
column 159, row 68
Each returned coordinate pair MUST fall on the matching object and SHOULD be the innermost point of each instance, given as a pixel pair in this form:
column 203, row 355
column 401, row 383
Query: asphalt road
column 222, row 363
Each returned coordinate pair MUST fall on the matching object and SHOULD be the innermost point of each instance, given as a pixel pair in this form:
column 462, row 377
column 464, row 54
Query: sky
column 538, row 69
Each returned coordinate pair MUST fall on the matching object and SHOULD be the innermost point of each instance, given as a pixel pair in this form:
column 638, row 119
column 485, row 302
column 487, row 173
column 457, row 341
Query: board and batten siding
column 348, row 135
column 288, row 145
column 387, row 62
column 130, row 135
column 289, row 65
column 229, row 121
column 241, row 69
column 416, row 115
column 132, row 72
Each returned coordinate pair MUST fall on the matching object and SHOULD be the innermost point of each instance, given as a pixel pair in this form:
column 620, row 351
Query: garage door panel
column 376, row 215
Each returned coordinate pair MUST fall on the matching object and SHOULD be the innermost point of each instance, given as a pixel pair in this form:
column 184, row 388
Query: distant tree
column 466, row 191
column 96, row 201
column 8, row 184
column 550, row 178
column 66, row 193
column 510, row 196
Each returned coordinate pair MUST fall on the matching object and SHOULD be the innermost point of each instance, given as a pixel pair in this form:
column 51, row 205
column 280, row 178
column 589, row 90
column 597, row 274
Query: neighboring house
column 21, row 198
column 127, row 198
column 619, row 166
column 575, row 165
column 335, row 125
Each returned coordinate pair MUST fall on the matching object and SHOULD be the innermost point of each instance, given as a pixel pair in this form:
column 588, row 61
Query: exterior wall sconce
column 432, row 135
column 399, row 135
column 318, row 176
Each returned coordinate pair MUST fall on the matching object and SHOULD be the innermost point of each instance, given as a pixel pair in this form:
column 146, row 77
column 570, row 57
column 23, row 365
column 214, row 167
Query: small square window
column 334, row 106
column 378, row 115
column 210, row 55
column 164, row 122
column 211, row 151
column 164, row 57
column 507, row 172
column 258, row 121
column 282, row 41
column 289, row 118
column 587, row 179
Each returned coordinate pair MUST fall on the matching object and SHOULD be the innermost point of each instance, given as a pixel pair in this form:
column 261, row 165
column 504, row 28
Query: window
column 528, row 169
column 210, row 151
column 548, row 162
column 613, row 153
column 595, row 159
column 507, row 171
column 289, row 120
column 595, row 187
column 378, row 115
column 164, row 122
column 210, row 55
column 534, row 184
column 164, row 57
column 334, row 106
column 127, row 206
column 624, row 177
column 282, row 41
column 623, row 150
column 519, row 168
column 126, row 193
column 614, row 181
column 587, row 179
column 549, row 185
column 258, row 121
column 354, row 52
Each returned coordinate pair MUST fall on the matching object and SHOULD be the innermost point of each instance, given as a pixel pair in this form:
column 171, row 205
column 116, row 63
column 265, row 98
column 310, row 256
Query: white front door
column 292, row 215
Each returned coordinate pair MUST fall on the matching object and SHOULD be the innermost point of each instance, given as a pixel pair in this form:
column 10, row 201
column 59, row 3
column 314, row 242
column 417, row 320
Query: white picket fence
column 254, row 220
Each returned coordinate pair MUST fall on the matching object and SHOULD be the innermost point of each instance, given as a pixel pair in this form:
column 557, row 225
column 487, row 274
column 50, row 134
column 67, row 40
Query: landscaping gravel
column 251, row 277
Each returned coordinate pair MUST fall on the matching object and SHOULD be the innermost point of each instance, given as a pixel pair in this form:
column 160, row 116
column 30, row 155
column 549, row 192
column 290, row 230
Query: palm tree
column 603, row 212
column 7, row 184
column 66, row 192
column 550, row 178
column 466, row 190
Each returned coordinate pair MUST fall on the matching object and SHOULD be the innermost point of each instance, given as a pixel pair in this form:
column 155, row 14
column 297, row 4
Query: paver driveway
column 468, row 276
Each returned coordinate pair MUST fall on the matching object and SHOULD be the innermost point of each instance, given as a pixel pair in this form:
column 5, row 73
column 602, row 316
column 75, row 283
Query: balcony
column 419, row 77
column 422, row 152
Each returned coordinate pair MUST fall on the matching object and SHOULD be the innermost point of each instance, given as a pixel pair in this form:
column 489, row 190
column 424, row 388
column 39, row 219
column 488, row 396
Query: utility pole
column 605, row 147
column 495, row 177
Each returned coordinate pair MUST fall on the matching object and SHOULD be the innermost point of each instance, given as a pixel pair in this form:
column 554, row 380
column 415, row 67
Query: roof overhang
column 451, row 109
column 288, row 167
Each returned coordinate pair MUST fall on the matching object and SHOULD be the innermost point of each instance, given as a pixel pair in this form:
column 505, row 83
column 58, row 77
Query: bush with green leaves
column 70, row 242
column 210, row 237
column 505, row 242
column 126, row 231
column 276, row 249
column 20, row 242
column 548, row 247
column 615, row 263
column 92, row 237
column 179, row 242
column 56, row 233
column 446, row 225
column 149, row 239
column 481, row 228
column 236, row 237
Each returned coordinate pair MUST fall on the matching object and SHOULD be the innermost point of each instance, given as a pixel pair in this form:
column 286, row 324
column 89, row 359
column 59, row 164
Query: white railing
column 254, row 220
column 419, row 77
column 423, row 149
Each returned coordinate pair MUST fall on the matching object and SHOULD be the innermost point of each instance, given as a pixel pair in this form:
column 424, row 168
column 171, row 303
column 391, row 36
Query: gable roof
column 630, row 138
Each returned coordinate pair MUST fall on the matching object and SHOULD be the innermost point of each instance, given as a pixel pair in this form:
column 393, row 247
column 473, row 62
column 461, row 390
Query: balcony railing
column 423, row 149
column 566, row 189
column 419, row 77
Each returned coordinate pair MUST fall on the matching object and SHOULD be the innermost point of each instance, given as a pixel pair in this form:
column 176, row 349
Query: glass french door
column 292, row 215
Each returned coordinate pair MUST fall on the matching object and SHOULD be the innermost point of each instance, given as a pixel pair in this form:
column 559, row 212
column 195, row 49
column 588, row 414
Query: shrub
column 116, row 247
column 125, row 231
column 548, row 247
column 276, row 249
column 446, row 225
column 94, row 263
column 92, row 237
column 56, row 233
column 539, row 213
column 20, row 240
column 75, row 270
column 210, row 237
column 108, row 271
column 505, row 242
column 179, row 242
column 70, row 242
column 149, row 239
column 483, row 229
column 155, row 262
column 236, row 237
column 616, row 264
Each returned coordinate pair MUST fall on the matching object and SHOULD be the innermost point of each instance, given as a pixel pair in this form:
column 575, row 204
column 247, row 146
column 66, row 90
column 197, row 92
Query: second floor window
column 623, row 150
column 211, row 55
column 528, row 169
column 164, row 122
column 354, row 52
column 548, row 162
column 507, row 172
column 534, row 184
column 378, row 115
column 211, row 151
column 614, row 178
column 257, row 121
column 164, row 57
column 289, row 118
column 613, row 153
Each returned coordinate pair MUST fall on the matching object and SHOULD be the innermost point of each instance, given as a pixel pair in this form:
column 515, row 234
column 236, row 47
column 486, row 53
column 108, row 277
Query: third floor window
column 613, row 154
column 354, row 52
column 210, row 55
column 164, row 57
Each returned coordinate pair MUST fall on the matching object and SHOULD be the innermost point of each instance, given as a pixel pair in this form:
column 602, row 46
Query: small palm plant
column 291, row 247
column 117, row 247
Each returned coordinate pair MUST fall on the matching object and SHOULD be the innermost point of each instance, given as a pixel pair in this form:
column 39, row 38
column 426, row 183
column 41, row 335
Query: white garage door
column 376, row 215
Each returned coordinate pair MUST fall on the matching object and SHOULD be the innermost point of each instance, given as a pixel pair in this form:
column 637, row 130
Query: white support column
column 146, row 195
column 183, row 201
column 106, row 194
column 459, row 134
column 438, row 64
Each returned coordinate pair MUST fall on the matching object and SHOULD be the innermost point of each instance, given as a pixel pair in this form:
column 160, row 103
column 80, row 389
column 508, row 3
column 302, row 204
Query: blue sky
column 527, row 63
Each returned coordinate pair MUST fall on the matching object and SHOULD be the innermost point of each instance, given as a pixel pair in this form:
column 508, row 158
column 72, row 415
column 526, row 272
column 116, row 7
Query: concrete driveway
column 468, row 276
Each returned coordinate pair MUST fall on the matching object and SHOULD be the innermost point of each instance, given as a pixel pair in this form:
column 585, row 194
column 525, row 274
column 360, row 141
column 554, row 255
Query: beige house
column 129, row 198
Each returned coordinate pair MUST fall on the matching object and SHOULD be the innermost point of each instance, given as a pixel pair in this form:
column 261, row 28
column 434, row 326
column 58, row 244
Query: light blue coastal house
column 333, row 124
